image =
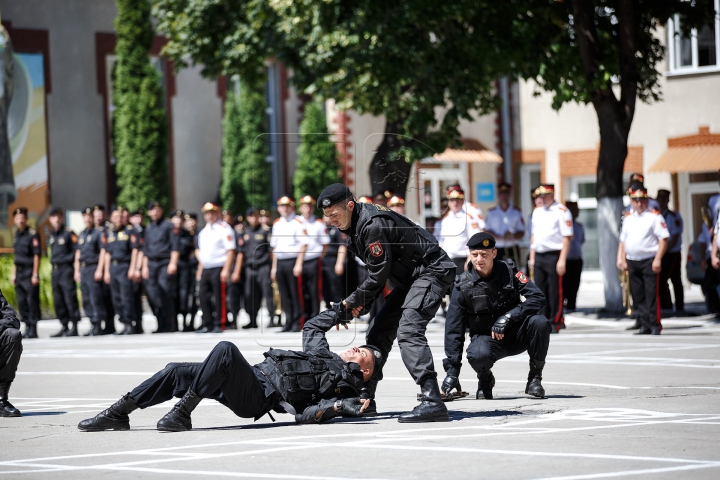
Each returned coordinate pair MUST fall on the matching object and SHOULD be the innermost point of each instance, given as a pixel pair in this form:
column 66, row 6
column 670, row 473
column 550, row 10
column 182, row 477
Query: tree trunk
column 387, row 173
column 614, row 131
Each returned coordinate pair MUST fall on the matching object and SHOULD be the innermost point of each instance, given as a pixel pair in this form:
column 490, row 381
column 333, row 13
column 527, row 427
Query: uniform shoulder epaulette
column 298, row 219
column 627, row 213
column 653, row 210
column 31, row 231
column 317, row 220
column 562, row 207
column 224, row 224
column 277, row 220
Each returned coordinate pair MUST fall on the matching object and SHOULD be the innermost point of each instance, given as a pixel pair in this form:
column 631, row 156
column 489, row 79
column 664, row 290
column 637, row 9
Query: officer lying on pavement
column 314, row 385
column 487, row 299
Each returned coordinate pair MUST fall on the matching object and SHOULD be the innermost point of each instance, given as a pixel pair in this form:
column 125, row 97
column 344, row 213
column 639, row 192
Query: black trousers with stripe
column 645, row 291
column 551, row 284
column 670, row 270
column 211, row 297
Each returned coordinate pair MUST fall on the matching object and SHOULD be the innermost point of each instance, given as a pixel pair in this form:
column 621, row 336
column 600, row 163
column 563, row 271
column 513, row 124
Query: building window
column 698, row 52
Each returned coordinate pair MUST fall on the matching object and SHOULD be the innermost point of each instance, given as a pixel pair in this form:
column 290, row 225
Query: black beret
column 251, row 212
column 100, row 207
column 481, row 241
column 377, row 359
column 333, row 194
column 178, row 213
column 139, row 211
column 20, row 210
column 56, row 211
column 191, row 215
column 153, row 204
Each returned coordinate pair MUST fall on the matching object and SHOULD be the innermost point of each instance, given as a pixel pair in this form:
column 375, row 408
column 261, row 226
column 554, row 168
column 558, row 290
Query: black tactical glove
column 349, row 406
column 344, row 314
column 450, row 382
column 502, row 323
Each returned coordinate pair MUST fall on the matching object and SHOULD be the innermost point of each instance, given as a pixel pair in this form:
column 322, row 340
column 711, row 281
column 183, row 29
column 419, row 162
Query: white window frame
column 586, row 202
column 526, row 203
column 694, row 68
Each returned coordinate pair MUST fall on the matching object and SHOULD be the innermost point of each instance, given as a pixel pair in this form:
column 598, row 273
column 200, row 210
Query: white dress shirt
column 288, row 236
column 317, row 237
column 641, row 234
column 549, row 227
column 455, row 231
column 501, row 221
column 214, row 242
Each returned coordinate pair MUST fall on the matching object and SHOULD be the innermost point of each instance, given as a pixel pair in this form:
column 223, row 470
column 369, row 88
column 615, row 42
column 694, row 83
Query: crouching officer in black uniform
column 486, row 299
column 396, row 249
column 315, row 385
column 10, row 351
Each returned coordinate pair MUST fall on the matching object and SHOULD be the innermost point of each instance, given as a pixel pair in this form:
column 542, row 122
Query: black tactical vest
column 487, row 300
column 302, row 379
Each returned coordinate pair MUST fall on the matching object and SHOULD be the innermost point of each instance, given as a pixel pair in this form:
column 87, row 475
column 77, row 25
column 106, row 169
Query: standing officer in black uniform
column 256, row 253
column 25, row 275
column 314, row 385
column 191, row 302
column 137, row 238
column 333, row 265
column 62, row 242
column 104, row 226
column 396, row 249
column 235, row 285
column 187, row 250
column 486, row 299
column 118, row 250
column 10, row 351
column 160, row 263
column 89, row 272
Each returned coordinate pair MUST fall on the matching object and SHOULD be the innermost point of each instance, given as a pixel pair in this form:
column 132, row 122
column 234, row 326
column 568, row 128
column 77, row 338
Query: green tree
column 139, row 119
column 317, row 164
column 232, row 194
column 253, row 168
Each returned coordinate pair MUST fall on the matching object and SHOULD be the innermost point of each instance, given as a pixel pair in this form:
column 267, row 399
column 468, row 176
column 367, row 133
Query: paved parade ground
column 617, row 405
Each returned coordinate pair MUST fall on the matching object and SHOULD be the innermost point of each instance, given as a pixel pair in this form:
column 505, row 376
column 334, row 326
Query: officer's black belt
column 24, row 265
column 58, row 265
column 88, row 264
column 292, row 259
column 120, row 262
column 158, row 259
column 312, row 260
column 550, row 252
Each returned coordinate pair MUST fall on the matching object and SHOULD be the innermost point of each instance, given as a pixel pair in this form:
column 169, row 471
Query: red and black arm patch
column 522, row 278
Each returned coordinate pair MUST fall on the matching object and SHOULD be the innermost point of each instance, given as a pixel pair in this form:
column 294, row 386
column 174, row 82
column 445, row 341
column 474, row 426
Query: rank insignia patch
column 568, row 223
column 522, row 277
column 376, row 249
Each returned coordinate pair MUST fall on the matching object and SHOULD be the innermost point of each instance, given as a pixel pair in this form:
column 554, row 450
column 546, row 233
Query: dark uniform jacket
column 186, row 244
column 257, row 246
column 120, row 244
column 62, row 245
column 392, row 248
column 312, row 380
column 90, row 243
column 337, row 238
column 8, row 316
column 476, row 303
column 160, row 241
column 27, row 245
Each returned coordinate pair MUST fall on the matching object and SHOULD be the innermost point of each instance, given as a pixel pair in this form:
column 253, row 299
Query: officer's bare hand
column 622, row 265
column 13, row 278
column 172, row 268
column 224, row 275
column 297, row 270
column 272, row 274
column 497, row 336
column 145, row 273
column 656, row 265
column 560, row 268
column 106, row 278
column 339, row 269
column 235, row 278
column 716, row 262
column 98, row 276
column 76, row 277
column 531, row 264
column 35, row 281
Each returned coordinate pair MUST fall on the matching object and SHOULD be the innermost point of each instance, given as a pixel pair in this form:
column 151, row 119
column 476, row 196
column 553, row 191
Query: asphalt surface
column 617, row 405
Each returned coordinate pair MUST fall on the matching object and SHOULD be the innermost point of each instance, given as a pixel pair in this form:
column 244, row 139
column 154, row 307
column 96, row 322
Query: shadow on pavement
column 42, row 414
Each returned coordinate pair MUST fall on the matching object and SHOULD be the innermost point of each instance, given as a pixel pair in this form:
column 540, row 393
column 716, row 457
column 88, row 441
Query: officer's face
column 340, row 215
column 176, row 221
column 88, row 219
column 455, row 204
column 483, row 261
column 252, row 220
column 20, row 220
column 363, row 357
column 639, row 204
column 155, row 214
column 190, row 224
column 211, row 216
column 306, row 209
column 55, row 221
column 285, row 210
column 663, row 202
column 136, row 220
column 116, row 219
column 504, row 198
column 99, row 217
column 547, row 199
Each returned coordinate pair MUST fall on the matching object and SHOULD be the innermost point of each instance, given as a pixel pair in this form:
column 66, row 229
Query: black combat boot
column 534, row 387
column 113, row 418
column 6, row 408
column 94, row 331
column 431, row 409
column 72, row 332
column 178, row 419
column 30, row 331
column 486, row 382
column 128, row 330
column 61, row 333
column 368, row 392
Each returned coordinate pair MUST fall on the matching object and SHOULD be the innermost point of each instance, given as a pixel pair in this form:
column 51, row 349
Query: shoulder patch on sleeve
column 568, row 223
column 562, row 207
column 376, row 249
column 276, row 220
column 522, row 278
column 663, row 224
column 36, row 242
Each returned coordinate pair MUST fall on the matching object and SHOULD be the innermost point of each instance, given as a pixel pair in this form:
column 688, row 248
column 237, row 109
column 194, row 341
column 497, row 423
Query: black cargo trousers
column 405, row 316
column 224, row 376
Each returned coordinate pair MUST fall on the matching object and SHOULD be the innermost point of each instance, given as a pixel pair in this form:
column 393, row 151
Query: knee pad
column 479, row 363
